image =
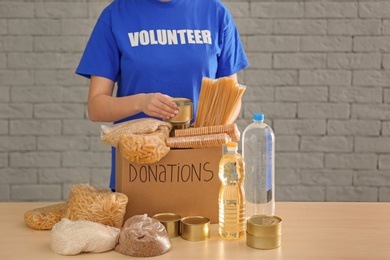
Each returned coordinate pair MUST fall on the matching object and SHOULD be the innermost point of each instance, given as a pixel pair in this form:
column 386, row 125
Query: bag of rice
column 143, row 236
column 74, row 237
column 103, row 206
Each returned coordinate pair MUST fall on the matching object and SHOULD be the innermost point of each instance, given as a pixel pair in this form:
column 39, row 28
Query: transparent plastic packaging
column 113, row 134
column 198, row 141
column 231, row 194
column 218, row 101
column 230, row 129
column 258, row 150
column 44, row 218
column 69, row 237
column 103, row 206
column 145, row 148
column 143, row 236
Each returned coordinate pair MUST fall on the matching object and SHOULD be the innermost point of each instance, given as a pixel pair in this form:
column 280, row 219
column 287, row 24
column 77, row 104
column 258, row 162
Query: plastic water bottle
column 231, row 194
column 258, row 150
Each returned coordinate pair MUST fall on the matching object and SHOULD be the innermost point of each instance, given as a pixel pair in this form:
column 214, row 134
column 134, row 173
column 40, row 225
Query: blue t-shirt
column 151, row 46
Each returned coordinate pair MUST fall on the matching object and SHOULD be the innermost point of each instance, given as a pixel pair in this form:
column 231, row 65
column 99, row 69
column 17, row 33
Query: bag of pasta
column 86, row 202
column 113, row 134
column 44, row 218
column 145, row 148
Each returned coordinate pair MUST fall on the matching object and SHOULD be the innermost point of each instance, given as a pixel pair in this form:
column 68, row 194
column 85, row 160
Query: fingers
column 160, row 105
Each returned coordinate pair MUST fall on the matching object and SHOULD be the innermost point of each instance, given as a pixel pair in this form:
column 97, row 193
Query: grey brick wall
column 320, row 71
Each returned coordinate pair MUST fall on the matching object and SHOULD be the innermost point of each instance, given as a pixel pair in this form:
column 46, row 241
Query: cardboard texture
column 184, row 182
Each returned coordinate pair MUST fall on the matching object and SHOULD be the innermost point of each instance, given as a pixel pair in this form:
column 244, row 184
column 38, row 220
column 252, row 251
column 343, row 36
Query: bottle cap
column 258, row 117
column 231, row 144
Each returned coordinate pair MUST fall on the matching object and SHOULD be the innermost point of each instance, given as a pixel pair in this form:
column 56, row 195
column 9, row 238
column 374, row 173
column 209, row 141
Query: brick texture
column 319, row 71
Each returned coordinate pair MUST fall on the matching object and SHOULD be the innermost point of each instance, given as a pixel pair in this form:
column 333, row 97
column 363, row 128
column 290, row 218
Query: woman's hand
column 103, row 107
column 158, row 105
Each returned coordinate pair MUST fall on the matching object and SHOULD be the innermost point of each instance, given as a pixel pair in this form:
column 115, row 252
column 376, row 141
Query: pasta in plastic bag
column 103, row 206
column 218, row 101
column 44, row 218
column 113, row 134
column 146, row 148
column 143, row 236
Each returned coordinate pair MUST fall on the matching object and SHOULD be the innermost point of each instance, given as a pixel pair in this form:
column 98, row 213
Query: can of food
column 171, row 222
column 184, row 105
column 264, row 232
column 195, row 228
column 183, row 119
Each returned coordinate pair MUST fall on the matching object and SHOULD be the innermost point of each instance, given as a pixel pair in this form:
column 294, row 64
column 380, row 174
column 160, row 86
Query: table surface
column 310, row 230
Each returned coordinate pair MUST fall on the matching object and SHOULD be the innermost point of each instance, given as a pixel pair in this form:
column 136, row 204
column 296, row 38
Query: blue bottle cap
column 258, row 117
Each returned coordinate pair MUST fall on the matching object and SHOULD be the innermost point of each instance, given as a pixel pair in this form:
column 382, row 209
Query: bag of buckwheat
column 86, row 202
column 143, row 236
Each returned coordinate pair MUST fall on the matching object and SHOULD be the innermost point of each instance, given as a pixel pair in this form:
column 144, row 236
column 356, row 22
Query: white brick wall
column 320, row 71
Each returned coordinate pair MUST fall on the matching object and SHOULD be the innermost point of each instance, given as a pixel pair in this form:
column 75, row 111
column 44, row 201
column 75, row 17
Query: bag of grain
column 143, row 236
column 74, row 237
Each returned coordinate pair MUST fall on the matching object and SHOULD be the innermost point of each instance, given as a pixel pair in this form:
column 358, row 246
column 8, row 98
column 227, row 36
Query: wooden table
column 310, row 230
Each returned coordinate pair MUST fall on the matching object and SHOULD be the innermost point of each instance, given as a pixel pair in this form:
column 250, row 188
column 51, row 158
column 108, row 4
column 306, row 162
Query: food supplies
column 198, row 141
column 219, row 100
column 44, row 218
column 147, row 140
column 143, row 236
column 85, row 202
column 103, row 206
column 112, row 134
column 69, row 237
column 145, row 148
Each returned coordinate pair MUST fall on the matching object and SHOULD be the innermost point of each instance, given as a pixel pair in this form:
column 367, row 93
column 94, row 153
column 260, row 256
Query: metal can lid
column 264, row 225
column 167, row 217
column 182, row 101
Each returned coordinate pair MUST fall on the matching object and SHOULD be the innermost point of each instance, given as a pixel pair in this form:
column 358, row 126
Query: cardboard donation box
column 184, row 182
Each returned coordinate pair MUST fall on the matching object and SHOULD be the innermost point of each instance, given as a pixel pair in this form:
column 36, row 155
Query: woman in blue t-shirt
column 156, row 50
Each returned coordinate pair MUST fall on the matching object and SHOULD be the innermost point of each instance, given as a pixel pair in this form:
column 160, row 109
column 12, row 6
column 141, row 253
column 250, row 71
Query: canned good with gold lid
column 184, row 105
column 263, row 231
column 171, row 222
column 183, row 119
column 195, row 228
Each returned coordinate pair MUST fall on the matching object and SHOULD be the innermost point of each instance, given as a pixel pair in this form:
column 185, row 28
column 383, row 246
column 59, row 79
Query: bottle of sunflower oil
column 231, row 194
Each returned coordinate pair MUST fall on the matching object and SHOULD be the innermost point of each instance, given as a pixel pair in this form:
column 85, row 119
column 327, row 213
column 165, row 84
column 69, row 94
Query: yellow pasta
column 144, row 148
column 218, row 100
column 98, row 205
column 199, row 141
column 44, row 218
column 230, row 129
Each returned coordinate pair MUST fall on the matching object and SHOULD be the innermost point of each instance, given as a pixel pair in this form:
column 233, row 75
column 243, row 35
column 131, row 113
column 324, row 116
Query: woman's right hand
column 158, row 105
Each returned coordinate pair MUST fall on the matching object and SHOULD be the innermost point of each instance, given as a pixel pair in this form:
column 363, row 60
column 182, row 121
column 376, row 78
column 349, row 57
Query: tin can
column 183, row 119
column 264, row 232
column 185, row 107
column 171, row 222
column 195, row 228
